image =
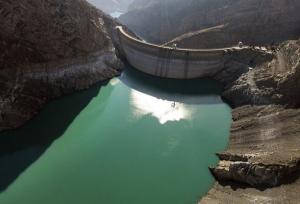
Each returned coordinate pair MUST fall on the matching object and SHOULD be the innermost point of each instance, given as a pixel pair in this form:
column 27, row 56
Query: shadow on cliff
column 20, row 148
column 287, row 180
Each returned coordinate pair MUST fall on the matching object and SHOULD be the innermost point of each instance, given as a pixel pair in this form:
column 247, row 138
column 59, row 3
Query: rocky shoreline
column 32, row 88
column 53, row 48
column 262, row 162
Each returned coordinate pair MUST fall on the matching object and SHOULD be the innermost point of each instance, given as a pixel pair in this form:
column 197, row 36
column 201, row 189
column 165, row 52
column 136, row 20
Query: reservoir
column 134, row 140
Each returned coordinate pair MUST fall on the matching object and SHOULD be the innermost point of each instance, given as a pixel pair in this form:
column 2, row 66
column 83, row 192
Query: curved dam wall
column 168, row 62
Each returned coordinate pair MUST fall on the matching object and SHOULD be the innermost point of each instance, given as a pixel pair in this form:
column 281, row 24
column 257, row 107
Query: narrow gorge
column 80, row 124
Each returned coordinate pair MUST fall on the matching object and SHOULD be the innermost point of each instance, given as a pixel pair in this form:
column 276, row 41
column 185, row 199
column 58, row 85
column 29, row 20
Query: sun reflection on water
column 163, row 110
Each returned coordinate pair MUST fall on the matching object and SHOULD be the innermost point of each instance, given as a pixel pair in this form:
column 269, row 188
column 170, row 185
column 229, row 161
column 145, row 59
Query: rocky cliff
column 215, row 23
column 264, row 152
column 267, row 79
column 48, row 49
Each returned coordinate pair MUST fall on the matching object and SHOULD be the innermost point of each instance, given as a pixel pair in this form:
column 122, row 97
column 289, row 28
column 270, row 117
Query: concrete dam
column 171, row 62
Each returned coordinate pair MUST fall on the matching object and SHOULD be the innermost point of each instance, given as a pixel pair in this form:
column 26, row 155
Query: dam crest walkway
column 172, row 62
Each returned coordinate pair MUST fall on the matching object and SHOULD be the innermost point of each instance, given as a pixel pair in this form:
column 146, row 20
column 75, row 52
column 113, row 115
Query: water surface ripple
column 140, row 140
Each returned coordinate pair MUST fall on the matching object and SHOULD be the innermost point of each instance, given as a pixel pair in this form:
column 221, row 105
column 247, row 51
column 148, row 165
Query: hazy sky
column 110, row 6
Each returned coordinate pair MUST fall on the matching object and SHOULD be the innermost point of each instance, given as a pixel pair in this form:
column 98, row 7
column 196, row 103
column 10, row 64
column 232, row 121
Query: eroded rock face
column 215, row 23
column 263, row 154
column 274, row 81
column 34, row 31
column 264, row 151
column 238, row 62
column 48, row 49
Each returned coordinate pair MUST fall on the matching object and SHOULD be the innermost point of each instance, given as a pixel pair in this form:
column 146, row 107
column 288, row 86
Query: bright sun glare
column 163, row 110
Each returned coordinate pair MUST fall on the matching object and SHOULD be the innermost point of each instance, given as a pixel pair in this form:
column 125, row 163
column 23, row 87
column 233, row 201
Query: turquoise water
column 140, row 140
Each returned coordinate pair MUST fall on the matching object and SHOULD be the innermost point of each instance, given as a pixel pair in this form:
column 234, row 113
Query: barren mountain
column 215, row 23
column 50, row 48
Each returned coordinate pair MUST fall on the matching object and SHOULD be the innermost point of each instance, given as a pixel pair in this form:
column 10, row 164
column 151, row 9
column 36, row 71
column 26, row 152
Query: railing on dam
column 170, row 62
